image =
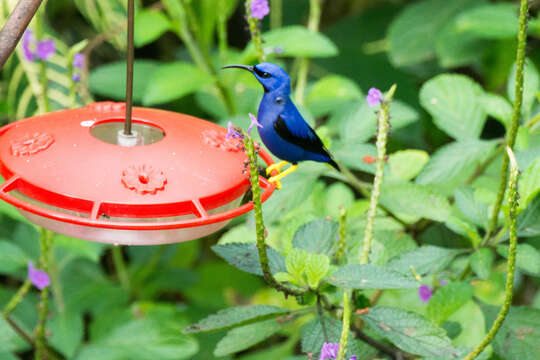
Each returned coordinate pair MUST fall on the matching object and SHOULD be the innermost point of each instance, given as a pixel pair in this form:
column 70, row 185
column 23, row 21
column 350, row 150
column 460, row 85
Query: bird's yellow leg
column 275, row 179
column 276, row 167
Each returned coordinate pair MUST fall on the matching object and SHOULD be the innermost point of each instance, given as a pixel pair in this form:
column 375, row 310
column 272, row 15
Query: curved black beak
column 245, row 67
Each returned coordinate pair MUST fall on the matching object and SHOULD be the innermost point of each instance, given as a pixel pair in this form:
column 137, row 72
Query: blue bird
column 284, row 131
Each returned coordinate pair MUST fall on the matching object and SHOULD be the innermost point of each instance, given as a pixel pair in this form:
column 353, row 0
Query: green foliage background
column 453, row 62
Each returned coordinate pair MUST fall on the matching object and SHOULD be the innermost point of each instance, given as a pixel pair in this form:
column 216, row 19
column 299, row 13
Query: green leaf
column 107, row 16
column 295, row 262
column 173, row 81
column 236, row 316
column 246, row 257
column 67, row 330
column 388, row 244
column 314, row 336
column 368, row 276
column 490, row 21
column 331, row 92
column 529, row 184
column 498, row 107
column 317, row 267
column 531, row 85
column 294, row 41
column 80, row 248
column 409, row 331
column 455, row 103
column 406, row 164
column 528, row 221
column 447, row 300
column 352, row 155
column 527, row 258
column 242, row 338
column 149, row 25
column 481, row 262
column 12, row 258
column 450, row 160
column 337, row 196
column 412, row 34
column 425, row 260
column 473, row 210
column 518, row 336
column 109, row 80
column 413, row 201
column 317, row 236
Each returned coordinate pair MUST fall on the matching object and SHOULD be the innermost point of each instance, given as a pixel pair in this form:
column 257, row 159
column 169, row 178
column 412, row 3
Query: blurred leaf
column 409, row 331
column 107, row 17
column 447, row 300
column 406, row 164
column 338, row 195
column 317, row 267
column 149, row 25
column 455, row 103
column 474, row 210
column 497, row 107
column 82, row 248
column 450, row 160
column 527, row 258
column 352, row 155
column 4, row 355
column 331, row 92
column 109, row 80
column 425, row 260
column 367, row 276
column 317, row 236
column 529, row 184
column 413, row 202
column 295, row 263
column 313, row 336
column 531, row 85
column 387, row 244
column 528, row 221
column 481, row 262
column 24, row 315
column 67, row 330
column 243, row 337
column 236, row 316
column 517, row 338
column 293, row 41
column 412, row 33
column 173, row 81
column 490, row 21
column 246, row 258
column 12, row 258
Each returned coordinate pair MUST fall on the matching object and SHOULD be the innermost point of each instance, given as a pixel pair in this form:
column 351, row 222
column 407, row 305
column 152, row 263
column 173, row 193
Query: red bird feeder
column 182, row 180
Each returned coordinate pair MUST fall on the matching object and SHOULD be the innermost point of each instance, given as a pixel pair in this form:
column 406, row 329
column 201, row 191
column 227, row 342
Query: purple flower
column 443, row 282
column 353, row 357
column 232, row 132
column 254, row 122
column 259, row 9
column 424, row 293
column 76, row 77
column 38, row 277
column 329, row 351
column 78, row 60
column 45, row 49
column 374, row 97
column 27, row 42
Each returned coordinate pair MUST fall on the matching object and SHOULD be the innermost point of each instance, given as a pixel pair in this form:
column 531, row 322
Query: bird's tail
column 334, row 164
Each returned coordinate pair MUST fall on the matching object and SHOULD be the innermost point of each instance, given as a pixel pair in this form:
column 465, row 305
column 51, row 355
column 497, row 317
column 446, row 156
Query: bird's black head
column 271, row 76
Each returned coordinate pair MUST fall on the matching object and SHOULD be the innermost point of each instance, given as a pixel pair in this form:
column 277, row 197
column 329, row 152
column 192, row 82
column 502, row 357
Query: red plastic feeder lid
column 67, row 166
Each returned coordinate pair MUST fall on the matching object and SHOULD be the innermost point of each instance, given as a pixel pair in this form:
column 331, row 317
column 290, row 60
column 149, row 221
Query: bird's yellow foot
column 276, row 166
column 276, row 179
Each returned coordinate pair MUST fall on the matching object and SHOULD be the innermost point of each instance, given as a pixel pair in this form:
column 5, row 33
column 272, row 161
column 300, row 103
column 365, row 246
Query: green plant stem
column 56, row 285
column 120, row 266
column 276, row 14
column 320, row 312
column 259, row 223
column 342, row 234
column 346, row 325
column 255, row 32
column 382, row 137
column 45, row 242
column 511, row 137
column 303, row 67
column 222, row 32
column 17, row 298
column 512, row 215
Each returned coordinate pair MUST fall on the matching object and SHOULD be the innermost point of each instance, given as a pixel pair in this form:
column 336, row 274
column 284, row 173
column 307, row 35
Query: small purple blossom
column 78, row 60
column 259, row 9
column 443, row 282
column 253, row 123
column 27, row 42
column 329, row 351
column 425, row 293
column 38, row 277
column 232, row 132
column 45, row 49
column 374, row 97
column 76, row 77
column 353, row 357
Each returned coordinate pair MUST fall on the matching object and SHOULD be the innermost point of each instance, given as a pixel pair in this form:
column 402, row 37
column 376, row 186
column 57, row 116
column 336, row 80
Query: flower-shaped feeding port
column 30, row 144
column 143, row 179
column 183, row 181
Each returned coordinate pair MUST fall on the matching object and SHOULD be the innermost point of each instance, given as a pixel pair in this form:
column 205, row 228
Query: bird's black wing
column 305, row 137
